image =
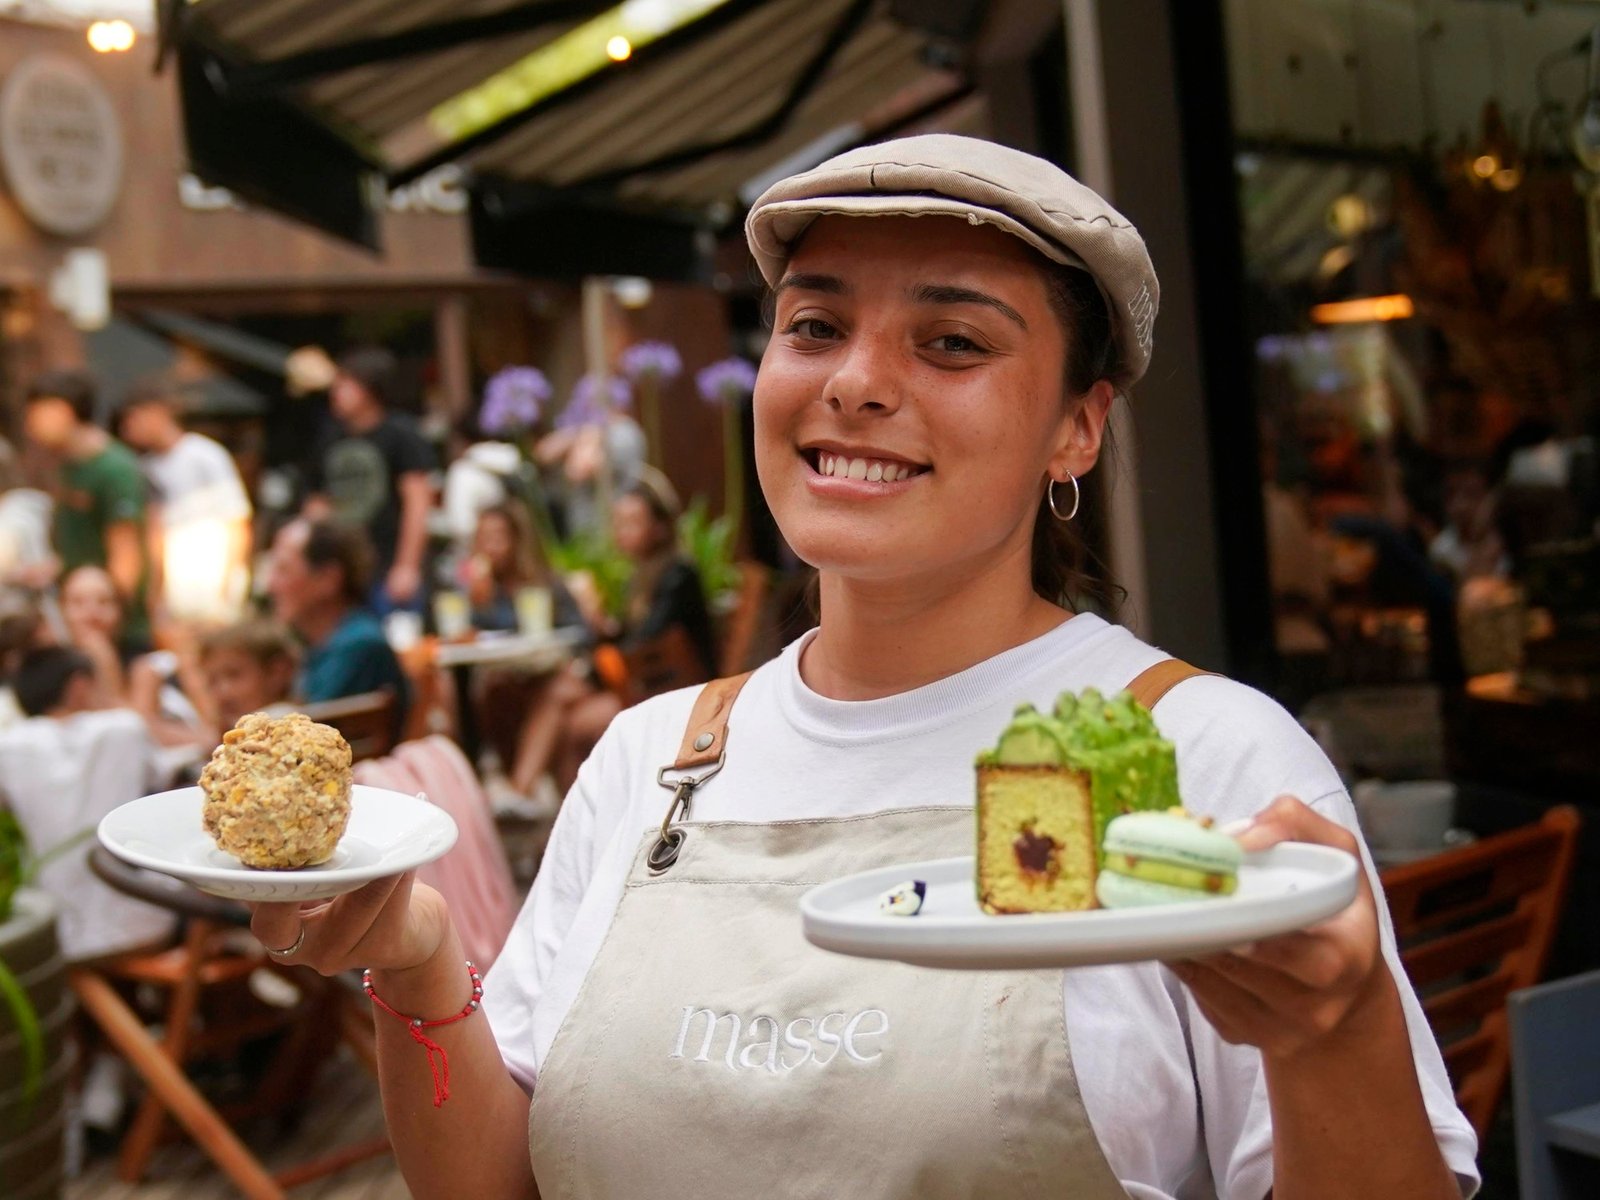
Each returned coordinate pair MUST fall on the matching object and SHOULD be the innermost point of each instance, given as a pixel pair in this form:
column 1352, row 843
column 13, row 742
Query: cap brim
column 776, row 226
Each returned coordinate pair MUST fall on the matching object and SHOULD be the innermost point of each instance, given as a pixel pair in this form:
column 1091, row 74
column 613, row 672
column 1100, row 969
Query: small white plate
column 389, row 832
column 1291, row 886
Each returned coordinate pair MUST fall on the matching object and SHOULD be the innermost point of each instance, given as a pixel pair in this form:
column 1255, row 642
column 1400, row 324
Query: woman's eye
column 955, row 343
column 814, row 328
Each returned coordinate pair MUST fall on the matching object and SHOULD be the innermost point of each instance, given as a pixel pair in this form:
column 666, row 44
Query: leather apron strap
column 1155, row 682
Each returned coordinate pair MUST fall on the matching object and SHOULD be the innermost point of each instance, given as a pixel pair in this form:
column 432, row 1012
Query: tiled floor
column 344, row 1110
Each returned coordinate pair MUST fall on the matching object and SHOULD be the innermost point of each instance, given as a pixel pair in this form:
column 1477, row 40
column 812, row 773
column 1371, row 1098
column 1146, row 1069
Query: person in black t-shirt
column 373, row 472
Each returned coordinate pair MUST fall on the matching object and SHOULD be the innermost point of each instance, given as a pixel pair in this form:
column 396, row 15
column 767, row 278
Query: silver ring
column 290, row 951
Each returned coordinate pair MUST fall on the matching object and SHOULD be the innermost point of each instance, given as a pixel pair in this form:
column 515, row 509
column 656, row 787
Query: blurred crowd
column 146, row 602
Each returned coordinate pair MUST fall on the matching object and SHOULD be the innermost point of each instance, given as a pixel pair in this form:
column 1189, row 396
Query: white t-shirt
column 196, row 480
column 1146, row 1059
column 60, row 776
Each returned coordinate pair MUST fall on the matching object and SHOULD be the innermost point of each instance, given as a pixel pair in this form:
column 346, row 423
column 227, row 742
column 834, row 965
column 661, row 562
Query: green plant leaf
column 29, row 1032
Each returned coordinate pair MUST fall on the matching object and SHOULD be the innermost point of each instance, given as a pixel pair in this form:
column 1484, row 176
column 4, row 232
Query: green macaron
column 1165, row 858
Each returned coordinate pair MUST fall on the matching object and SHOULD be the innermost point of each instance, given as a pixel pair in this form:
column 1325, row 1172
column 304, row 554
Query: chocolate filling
column 1036, row 853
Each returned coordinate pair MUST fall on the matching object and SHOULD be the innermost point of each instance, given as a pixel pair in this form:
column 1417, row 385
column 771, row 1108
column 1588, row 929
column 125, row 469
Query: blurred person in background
column 485, row 473
column 1469, row 546
column 664, row 590
column 200, row 514
column 22, row 628
column 26, row 559
column 157, row 685
column 71, row 761
column 64, row 765
column 319, row 577
column 374, row 472
column 507, row 557
column 593, row 460
column 248, row 667
column 99, row 492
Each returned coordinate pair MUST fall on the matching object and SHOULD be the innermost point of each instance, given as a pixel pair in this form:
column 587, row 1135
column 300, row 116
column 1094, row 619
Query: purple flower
column 594, row 397
column 651, row 360
column 726, row 382
column 513, row 400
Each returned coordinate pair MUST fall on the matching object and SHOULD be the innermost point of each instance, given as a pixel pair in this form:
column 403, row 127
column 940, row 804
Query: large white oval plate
column 1291, row 886
column 389, row 832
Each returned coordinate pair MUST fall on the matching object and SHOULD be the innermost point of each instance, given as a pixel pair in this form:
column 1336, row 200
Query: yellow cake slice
column 1048, row 789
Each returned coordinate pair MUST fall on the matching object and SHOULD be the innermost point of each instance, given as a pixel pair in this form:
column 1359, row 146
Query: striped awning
column 698, row 114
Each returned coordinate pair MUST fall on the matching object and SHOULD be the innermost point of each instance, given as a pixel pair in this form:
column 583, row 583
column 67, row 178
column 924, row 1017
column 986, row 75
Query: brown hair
column 528, row 559
column 265, row 642
column 333, row 543
column 1064, row 569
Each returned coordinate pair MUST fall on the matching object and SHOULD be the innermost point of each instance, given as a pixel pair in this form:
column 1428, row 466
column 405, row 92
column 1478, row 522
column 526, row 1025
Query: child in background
column 247, row 668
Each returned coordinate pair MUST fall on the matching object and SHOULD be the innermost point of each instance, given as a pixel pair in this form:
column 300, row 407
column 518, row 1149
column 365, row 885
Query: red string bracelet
column 440, row 1069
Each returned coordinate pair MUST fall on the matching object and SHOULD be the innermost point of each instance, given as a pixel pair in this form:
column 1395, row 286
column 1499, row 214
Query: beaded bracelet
column 440, row 1070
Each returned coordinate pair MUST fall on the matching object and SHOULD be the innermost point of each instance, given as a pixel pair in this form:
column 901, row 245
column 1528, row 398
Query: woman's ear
column 1082, row 431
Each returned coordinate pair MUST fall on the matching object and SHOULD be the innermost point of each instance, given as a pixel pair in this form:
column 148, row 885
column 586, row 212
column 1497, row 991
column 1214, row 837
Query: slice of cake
column 1048, row 789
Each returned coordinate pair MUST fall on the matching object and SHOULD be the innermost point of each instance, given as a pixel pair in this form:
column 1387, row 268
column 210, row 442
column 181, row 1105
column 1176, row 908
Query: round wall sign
column 60, row 144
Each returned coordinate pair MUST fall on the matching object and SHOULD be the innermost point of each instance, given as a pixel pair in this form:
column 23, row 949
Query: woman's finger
column 348, row 922
column 1286, row 819
column 276, row 926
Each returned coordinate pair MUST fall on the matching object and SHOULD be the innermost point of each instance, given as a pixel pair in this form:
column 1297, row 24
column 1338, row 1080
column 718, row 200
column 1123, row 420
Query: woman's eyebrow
column 831, row 285
column 938, row 293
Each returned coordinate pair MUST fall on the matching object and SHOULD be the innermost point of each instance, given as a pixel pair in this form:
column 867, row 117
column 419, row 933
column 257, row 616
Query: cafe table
column 523, row 653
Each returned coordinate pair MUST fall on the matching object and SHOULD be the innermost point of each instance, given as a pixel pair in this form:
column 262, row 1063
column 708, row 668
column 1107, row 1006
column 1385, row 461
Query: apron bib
column 713, row 1052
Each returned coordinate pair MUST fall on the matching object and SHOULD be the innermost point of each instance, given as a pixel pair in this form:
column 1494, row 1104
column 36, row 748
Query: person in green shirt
column 99, row 491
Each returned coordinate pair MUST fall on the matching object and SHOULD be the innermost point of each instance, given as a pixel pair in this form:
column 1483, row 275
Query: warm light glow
column 1506, row 179
column 206, row 576
column 111, row 37
column 619, row 49
column 1373, row 308
column 1485, row 165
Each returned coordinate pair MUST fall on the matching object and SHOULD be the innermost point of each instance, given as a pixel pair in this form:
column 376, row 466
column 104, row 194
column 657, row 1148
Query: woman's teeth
column 873, row 470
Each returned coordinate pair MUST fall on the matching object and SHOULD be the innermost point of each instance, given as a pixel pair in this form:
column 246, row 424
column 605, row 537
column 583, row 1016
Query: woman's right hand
column 391, row 924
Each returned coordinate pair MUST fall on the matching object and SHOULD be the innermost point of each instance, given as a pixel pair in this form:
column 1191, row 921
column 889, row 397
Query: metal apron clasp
column 664, row 852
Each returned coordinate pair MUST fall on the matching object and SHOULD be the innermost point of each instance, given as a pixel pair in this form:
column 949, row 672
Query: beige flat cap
column 941, row 174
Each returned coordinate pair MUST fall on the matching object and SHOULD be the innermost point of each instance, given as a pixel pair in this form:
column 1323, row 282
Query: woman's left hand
column 1302, row 990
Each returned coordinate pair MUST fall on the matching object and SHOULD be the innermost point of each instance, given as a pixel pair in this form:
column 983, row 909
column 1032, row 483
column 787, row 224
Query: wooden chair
column 742, row 624
column 663, row 664
column 367, row 722
column 1474, row 925
column 207, row 966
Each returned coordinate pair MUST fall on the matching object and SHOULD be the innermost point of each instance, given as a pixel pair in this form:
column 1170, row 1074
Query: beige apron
column 712, row 1052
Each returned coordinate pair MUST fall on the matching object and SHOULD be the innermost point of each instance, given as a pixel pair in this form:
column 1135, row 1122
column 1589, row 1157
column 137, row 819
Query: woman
column 506, row 557
column 664, row 590
column 157, row 685
column 970, row 372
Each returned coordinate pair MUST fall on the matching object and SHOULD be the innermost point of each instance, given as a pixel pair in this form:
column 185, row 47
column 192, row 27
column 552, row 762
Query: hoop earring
column 1050, row 496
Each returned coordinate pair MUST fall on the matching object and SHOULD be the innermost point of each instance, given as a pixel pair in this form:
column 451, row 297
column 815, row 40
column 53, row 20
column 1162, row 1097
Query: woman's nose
column 868, row 377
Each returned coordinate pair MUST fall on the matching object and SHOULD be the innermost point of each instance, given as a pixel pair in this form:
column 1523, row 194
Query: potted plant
column 35, row 1008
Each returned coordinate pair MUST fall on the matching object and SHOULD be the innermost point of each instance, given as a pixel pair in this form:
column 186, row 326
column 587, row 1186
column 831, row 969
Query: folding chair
column 1555, row 1088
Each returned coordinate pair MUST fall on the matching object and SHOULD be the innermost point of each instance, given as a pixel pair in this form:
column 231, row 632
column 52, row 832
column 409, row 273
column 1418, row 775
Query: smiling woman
column 953, row 322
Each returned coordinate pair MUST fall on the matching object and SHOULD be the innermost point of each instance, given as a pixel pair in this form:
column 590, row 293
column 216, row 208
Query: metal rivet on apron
column 703, row 742
column 665, row 851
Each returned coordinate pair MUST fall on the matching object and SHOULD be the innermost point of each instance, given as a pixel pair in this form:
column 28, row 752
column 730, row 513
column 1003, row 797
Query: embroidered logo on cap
column 1142, row 308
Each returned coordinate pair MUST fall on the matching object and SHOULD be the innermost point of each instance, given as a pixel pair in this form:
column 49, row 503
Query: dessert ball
column 277, row 791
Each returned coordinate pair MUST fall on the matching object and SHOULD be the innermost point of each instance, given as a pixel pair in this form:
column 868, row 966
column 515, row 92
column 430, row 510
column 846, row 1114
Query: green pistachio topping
column 1114, row 740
